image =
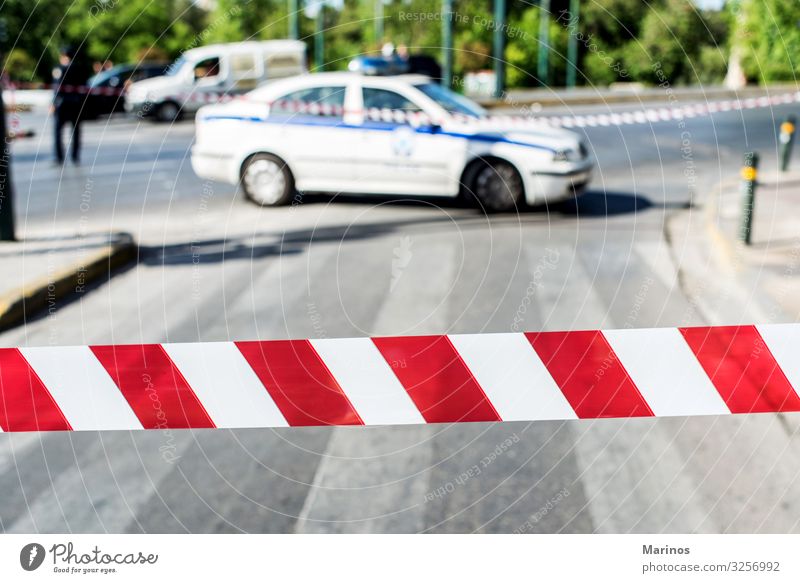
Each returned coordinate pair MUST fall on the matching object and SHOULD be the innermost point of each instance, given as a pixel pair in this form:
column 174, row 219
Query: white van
column 207, row 74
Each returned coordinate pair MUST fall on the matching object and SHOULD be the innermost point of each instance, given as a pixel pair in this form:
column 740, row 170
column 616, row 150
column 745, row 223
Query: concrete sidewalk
column 733, row 283
column 41, row 269
column 773, row 258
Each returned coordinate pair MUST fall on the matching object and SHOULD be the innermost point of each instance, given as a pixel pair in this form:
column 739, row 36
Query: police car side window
column 385, row 99
column 328, row 101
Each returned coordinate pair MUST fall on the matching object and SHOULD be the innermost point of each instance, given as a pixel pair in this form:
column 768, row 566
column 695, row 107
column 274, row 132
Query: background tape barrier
column 403, row 380
column 415, row 118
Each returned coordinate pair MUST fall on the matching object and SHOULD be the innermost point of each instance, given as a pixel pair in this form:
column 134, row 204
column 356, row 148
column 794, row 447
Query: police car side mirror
column 434, row 128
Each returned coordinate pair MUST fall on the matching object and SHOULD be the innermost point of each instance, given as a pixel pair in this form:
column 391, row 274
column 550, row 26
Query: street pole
column 294, row 21
column 544, row 43
column 499, row 48
column 319, row 40
column 572, row 46
column 447, row 43
column 6, row 187
column 379, row 22
column 749, row 182
column 788, row 130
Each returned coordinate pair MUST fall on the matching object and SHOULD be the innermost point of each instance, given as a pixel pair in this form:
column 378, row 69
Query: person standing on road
column 67, row 103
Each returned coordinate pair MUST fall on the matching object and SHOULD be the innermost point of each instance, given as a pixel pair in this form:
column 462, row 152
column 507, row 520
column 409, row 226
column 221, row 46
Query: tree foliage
column 20, row 65
column 618, row 40
column 768, row 32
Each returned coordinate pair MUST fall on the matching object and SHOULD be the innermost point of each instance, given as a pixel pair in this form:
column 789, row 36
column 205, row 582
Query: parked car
column 208, row 73
column 347, row 132
column 107, row 86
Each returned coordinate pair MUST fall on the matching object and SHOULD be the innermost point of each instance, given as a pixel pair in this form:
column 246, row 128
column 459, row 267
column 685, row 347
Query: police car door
column 321, row 145
column 397, row 154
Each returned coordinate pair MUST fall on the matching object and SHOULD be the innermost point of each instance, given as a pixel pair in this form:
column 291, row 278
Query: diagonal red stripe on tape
column 742, row 369
column 589, row 374
column 298, row 381
column 436, row 379
column 153, row 386
column 25, row 403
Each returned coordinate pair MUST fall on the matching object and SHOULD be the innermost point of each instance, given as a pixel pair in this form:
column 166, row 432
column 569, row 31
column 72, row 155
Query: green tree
column 236, row 20
column 669, row 43
column 607, row 27
column 20, row 66
column 34, row 28
column 768, row 34
column 120, row 30
column 350, row 33
column 618, row 40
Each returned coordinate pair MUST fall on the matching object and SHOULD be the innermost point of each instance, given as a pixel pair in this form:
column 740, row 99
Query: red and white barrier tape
column 306, row 107
column 652, row 115
column 418, row 118
column 403, row 380
column 83, row 89
column 208, row 97
column 12, row 106
column 399, row 116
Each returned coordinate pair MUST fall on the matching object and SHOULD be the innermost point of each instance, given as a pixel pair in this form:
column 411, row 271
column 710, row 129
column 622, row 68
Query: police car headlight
column 564, row 155
column 579, row 152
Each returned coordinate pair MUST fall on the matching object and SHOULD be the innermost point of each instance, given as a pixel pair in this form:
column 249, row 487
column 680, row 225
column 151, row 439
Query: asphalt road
column 215, row 268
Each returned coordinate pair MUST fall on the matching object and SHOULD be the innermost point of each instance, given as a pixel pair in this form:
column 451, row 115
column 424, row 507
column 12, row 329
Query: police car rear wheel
column 267, row 180
column 498, row 187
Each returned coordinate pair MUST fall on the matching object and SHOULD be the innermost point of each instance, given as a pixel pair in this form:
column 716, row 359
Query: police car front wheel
column 498, row 186
column 267, row 181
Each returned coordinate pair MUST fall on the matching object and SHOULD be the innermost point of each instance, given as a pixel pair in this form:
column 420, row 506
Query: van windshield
column 176, row 67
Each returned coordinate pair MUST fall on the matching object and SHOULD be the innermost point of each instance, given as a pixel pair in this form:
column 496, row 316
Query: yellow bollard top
column 749, row 173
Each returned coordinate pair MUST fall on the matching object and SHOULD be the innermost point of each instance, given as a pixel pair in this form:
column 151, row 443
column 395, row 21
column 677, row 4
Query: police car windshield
column 451, row 101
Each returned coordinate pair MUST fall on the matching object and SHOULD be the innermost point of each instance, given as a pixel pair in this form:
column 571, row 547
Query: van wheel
column 498, row 186
column 267, row 180
column 169, row 111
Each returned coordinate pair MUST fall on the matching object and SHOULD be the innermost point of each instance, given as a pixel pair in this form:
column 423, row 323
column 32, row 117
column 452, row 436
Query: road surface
column 215, row 268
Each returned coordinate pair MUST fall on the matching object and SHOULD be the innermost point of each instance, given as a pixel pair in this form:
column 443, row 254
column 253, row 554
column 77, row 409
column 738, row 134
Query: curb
column 17, row 305
column 647, row 96
column 727, row 249
column 741, row 264
column 730, row 248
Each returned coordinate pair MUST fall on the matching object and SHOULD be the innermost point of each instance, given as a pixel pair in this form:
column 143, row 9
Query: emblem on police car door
column 403, row 141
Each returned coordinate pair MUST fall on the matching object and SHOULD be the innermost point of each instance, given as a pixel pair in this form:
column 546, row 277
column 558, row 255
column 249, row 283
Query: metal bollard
column 787, row 141
column 749, row 182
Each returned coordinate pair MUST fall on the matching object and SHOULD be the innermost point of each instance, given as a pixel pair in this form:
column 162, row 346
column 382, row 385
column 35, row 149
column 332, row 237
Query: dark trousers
column 63, row 117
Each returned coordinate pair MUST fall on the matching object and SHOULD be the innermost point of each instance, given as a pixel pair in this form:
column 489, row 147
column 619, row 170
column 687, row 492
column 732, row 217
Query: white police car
column 345, row 132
